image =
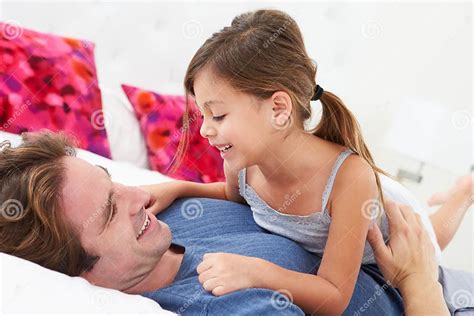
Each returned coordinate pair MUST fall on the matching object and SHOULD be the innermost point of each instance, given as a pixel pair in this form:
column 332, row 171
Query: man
column 75, row 220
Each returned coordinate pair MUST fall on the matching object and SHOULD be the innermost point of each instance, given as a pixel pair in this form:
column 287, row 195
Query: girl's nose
column 207, row 130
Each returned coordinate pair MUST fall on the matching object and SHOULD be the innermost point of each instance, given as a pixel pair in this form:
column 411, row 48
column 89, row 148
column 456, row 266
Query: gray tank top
column 310, row 231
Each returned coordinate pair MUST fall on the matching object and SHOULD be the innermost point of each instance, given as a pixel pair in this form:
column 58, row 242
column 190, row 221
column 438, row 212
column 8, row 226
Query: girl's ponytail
column 339, row 125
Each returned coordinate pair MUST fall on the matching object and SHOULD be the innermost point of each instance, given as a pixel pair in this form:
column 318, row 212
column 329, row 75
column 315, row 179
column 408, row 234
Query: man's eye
column 218, row 118
column 114, row 212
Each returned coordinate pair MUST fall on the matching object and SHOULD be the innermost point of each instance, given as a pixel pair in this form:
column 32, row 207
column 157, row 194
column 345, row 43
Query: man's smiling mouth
column 145, row 226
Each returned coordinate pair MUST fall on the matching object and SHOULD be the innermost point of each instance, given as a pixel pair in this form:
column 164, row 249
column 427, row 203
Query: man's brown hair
column 32, row 225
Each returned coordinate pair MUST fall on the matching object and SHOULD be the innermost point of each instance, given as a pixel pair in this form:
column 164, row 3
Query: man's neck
column 164, row 272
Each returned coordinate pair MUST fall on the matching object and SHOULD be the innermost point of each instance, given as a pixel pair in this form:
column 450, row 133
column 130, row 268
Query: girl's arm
column 216, row 190
column 228, row 190
column 163, row 194
column 329, row 292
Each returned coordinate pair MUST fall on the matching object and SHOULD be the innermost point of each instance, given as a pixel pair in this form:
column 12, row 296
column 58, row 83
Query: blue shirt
column 206, row 225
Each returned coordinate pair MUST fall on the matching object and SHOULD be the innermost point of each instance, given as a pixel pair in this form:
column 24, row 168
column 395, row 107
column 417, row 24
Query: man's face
column 109, row 217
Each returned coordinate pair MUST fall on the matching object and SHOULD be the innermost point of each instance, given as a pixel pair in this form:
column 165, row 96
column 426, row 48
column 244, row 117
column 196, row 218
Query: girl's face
column 238, row 124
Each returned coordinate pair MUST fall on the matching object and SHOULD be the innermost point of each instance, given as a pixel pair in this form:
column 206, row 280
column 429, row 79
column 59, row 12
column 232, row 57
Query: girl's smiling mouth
column 224, row 149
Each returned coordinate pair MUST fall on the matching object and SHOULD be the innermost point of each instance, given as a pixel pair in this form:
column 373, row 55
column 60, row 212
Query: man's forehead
column 83, row 190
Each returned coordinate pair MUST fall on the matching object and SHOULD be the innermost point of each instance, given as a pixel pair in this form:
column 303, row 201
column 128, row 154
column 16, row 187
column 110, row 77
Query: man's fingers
column 418, row 219
column 377, row 243
column 407, row 213
column 394, row 215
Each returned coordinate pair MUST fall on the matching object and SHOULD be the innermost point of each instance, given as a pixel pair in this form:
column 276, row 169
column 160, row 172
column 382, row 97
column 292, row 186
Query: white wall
column 372, row 55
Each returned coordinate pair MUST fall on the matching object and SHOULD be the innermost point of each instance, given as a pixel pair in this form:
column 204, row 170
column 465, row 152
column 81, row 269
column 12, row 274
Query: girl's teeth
column 225, row 148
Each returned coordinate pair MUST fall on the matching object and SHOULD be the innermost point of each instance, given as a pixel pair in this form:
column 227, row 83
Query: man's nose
column 136, row 198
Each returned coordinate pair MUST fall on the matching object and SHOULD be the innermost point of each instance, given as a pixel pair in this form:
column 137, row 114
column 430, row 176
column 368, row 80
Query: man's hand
column 223, row 273
column 410, row 253
column 162, row 195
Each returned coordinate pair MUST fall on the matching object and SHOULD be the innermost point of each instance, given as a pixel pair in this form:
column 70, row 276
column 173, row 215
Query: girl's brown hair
column 262, row 52
column 31, row 223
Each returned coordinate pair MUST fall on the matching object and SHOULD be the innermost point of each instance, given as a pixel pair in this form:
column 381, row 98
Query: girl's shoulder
column 354, row 166
column 354, row 170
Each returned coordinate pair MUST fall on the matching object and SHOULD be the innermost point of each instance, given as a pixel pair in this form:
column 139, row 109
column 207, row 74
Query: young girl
column 253, row 82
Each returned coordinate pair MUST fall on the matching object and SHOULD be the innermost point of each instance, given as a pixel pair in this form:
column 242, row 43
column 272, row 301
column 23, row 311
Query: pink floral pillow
column 160, row 119
column 48, row 81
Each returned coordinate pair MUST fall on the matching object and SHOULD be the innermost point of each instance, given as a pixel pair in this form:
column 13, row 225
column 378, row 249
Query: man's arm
column 423, row 295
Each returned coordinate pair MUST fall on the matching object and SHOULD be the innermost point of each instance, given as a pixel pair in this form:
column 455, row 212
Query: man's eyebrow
column 106, row 209
column 105, row 169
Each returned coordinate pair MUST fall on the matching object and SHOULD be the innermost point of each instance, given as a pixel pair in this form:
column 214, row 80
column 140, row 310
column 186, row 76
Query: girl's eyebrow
column 209, row 103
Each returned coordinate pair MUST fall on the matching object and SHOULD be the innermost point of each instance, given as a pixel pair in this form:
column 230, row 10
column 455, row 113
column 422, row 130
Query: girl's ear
column 281, row 102
column 281, row 108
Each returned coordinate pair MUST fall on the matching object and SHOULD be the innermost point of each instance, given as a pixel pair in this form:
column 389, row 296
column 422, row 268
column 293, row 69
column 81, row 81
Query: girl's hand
column 223, row 273
column 162, row 195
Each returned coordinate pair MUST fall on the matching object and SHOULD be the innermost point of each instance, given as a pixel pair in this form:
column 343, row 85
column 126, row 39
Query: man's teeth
column 224, row 148
column 145, row 225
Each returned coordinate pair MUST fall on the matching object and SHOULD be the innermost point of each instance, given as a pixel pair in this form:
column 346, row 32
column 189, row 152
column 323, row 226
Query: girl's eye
column 218, row 118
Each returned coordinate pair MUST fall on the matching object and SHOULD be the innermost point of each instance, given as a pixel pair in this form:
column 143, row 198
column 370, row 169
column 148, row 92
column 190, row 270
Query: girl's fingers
column 206, row 275
column 210, row 284
column 203, row 266
column 153, row 208
column 219, row 290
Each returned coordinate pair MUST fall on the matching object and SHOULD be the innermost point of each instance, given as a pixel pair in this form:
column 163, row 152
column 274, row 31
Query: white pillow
column 29, row 288
column 400, row 194
column 123, row 129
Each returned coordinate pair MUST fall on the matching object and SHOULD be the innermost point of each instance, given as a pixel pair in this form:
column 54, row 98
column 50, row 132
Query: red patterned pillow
column 160, row 119
column 48, row 81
